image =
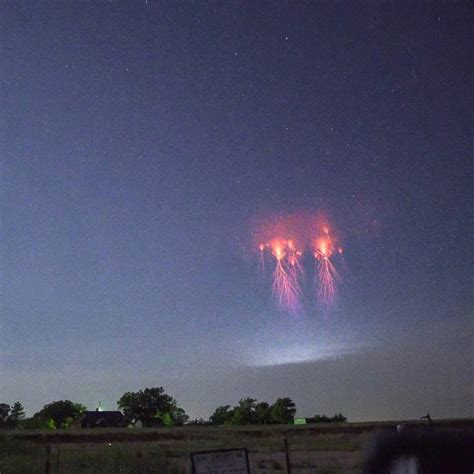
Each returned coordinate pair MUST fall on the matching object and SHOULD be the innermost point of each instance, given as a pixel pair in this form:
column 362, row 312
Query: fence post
column 287, row 455
column 48, row 460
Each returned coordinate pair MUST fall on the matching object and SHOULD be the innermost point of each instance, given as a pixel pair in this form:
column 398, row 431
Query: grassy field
column 333, row 448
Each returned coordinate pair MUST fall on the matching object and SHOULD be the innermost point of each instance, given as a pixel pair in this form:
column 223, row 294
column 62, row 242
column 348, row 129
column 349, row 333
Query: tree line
column 154, row 407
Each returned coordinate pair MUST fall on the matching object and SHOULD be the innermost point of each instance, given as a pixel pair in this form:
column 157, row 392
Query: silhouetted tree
column 222, row 415
column 63, row 414
column 179, row 417
column 337, row 418
column 16, row 416
column 151, row 406
column 283, row 411
column 321, row 419
column 244, row 412
column 17, row 412
column 249, row 412
column 263, row 414
column 4, row 414
column 36, row 423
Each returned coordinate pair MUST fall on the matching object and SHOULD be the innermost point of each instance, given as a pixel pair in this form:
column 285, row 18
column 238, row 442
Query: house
column 103, row 419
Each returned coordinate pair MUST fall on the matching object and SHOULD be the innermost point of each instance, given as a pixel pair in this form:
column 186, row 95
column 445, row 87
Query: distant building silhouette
column 103, row 419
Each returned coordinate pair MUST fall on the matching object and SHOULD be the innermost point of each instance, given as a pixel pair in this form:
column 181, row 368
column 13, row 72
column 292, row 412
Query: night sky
column 140, row 144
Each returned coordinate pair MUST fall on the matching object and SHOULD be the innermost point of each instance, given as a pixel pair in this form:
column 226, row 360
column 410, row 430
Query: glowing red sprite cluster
column 327, row 276
column 308, row 233
column 286, row 287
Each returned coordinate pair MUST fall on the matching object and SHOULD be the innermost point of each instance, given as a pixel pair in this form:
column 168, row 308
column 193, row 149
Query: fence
column 272, row 450
column 267, row 455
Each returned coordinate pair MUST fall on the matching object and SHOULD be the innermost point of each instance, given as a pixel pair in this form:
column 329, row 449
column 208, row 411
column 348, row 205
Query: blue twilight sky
column 141, row 141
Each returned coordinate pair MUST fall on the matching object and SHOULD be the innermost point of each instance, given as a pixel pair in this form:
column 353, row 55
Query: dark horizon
column 143, row 143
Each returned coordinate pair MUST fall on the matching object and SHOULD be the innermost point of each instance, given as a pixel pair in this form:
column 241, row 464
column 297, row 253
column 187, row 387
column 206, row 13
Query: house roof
column 102, row 418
